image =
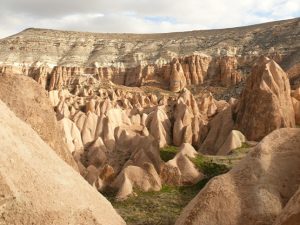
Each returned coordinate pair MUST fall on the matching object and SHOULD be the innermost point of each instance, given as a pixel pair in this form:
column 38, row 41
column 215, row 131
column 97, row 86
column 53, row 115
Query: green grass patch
column 157, row 208
column 242, row 149
column 167, row 153
column 163, row 207
column 208, row 167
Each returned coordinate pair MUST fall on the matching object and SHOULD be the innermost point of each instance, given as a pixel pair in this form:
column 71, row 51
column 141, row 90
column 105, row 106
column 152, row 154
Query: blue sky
column 140, row 16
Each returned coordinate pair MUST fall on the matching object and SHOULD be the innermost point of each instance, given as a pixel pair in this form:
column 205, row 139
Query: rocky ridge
column 56, row 58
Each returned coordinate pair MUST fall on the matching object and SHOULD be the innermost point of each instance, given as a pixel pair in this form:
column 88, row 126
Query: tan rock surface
column 30, row 103
column 265, row 103
column 218, row 130
column 290, row 215
column 142, row 178
column 224, row 70
column 180, row 170
column 256, row 190
column 159, row 127
column 72, row 136
column 177, row 78
column 37, row 187
column 234, row 140
column 296, row 105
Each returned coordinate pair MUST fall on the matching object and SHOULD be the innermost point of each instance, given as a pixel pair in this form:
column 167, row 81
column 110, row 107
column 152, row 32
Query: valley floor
column 164, row 207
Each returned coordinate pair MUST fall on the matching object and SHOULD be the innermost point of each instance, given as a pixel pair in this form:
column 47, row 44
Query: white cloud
column 140, row 16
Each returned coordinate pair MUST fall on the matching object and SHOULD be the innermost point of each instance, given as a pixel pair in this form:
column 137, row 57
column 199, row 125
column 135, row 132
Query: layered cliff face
column 56, row 58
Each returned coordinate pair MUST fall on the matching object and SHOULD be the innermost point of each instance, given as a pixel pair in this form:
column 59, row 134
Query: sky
column 140, row 16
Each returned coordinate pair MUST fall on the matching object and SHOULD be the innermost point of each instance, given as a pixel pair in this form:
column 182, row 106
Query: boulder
column 256, row 190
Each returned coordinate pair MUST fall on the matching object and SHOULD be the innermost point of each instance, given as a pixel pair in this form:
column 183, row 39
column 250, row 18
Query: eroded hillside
column 155, row 117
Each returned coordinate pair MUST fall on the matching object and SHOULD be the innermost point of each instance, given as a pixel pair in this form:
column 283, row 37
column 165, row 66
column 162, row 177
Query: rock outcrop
column 37, row 187
column 256, row 190
column 181, row 170
column 30, row 103
column 296, row 104
column 72, row 136
column 114, row 100
column 177, row 78
column 159, row 127
column 218, row 130
column 135, row 177
column 265, row 103
column 224, row 71
column 59, row 58
column 234, row 140
column 290, row 215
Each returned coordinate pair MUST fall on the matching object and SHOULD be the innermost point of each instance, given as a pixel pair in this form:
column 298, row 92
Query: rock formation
column 72, row 136
column 224, row 71
column 57, row 58
column 218, row 130
column 115, row 100
column 181, row 170
column 234, row 140
column 256, row 190
column 135, row 177
column 265, row 103
column 37, row 187
column 159, row 127
column 296, row 104
column 177, row 78
column 229, row 74
column 290, row 215
column 30, row 103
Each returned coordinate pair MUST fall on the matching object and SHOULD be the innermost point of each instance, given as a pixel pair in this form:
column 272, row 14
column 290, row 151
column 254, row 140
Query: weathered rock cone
column 234, row 140
column 218, row 130
column 265, row 103
column 181, row 170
